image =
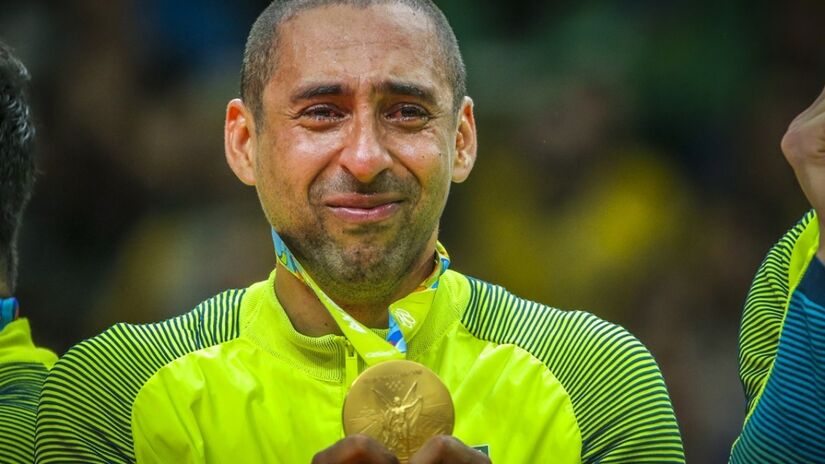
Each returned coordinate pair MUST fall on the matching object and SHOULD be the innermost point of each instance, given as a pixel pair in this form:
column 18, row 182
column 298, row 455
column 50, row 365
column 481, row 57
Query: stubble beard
column 362, row 273
column 367, row 268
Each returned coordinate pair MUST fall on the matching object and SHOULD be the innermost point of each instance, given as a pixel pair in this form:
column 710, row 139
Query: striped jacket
column 782, row 354
column 232, row 381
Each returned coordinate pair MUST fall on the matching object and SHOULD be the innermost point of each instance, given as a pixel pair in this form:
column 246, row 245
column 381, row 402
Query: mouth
column 359, row 208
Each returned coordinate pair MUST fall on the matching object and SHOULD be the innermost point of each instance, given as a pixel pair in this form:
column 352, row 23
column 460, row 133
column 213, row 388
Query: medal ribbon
column 405, row 315
column 9, row 311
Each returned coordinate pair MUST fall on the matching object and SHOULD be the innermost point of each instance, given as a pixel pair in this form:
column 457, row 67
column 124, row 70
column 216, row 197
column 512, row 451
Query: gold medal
column 401, row 404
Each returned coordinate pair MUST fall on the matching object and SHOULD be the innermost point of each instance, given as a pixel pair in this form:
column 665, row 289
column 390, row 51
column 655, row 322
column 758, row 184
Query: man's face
column 357, row 148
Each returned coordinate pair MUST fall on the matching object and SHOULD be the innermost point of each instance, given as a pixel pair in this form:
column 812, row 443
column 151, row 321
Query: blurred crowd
column 629, row 165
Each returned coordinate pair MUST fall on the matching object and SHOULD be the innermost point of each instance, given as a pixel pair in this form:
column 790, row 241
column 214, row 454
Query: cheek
column 311, row 148
column 426, row 157
column 292, row 163
column 427, row 141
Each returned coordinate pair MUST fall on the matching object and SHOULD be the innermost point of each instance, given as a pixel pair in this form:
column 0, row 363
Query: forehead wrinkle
column 349, row 41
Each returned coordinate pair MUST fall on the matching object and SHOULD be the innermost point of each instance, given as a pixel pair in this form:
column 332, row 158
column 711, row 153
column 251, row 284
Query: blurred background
column 629, row 165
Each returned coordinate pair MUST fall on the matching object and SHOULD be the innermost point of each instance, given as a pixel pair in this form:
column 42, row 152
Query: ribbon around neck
column 405, row 315
column 9, row 311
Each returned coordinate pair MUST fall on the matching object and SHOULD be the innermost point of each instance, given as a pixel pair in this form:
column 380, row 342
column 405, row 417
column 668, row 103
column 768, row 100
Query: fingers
column 805, row 140
column 355, row 449
column 804, row 147
column 444, row 449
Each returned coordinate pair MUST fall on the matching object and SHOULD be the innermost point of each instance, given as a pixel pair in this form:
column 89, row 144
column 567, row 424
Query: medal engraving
column 399, row 403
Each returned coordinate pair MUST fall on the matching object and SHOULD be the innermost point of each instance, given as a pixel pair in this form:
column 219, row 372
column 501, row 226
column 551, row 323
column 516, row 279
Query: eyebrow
column 317, row 90
column 409, row 89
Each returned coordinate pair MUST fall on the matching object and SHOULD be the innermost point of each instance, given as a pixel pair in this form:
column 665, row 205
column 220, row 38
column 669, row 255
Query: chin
column 367, row 255
column 367, row 263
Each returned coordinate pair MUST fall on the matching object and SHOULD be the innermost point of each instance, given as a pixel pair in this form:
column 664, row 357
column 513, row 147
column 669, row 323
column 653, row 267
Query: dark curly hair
column 16, row 158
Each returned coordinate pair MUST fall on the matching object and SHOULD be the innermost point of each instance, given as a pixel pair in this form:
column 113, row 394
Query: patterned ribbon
column 9, row 311
column 405, row 315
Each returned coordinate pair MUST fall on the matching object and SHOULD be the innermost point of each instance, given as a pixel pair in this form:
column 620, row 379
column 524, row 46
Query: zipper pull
column 351, row 364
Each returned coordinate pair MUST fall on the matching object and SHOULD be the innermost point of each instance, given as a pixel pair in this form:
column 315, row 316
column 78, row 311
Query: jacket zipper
column 351, row 365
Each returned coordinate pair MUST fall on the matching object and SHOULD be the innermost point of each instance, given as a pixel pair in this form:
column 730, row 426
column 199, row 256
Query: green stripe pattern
column 781, row 358
column 764, row 312
column 619, row 398
column 20, row 384
column 85, row 411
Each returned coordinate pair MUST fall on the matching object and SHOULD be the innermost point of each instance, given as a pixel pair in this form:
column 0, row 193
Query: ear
column 240, row 141
column 465, row 142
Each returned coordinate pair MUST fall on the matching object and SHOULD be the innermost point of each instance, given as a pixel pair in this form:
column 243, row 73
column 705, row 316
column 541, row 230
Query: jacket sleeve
column 618, row 395
column 622, row 404
column 23, row 368
column 83, row 415
column 781, row 350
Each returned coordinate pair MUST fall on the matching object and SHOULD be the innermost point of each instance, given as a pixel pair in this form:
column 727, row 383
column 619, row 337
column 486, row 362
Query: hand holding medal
column 401, row 404
column 361, row 449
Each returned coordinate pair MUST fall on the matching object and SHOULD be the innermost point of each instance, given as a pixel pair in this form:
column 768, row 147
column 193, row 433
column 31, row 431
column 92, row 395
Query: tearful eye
column 321, row 117
column 322, row 113
column 408, row 115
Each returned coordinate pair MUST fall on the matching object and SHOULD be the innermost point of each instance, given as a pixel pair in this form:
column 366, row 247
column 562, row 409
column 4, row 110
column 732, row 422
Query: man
column 23, row 366
column 782, row 335
column 352, row 125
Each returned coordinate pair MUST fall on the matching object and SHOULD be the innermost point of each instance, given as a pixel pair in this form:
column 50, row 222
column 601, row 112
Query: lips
column 359, row 208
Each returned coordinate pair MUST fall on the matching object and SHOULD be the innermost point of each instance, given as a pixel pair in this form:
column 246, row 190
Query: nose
column 364, row 156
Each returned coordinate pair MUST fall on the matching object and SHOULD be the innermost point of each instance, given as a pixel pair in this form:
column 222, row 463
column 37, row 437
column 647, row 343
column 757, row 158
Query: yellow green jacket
column 232, row 381
column 23, row 368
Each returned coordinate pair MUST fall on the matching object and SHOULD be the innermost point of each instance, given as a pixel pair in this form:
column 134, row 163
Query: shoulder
column 138, row 347
column 20, row 384
column 86, row 402
column 782, row 268
column 617, row 390
column 767, row 302
column 493, row 313
column 23, row 368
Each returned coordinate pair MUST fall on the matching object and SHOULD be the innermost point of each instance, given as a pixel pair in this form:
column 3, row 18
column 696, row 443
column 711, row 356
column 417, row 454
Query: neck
column 309, row 317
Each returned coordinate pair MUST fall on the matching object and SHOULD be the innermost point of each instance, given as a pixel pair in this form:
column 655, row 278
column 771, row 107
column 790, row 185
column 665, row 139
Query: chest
column 261, row 409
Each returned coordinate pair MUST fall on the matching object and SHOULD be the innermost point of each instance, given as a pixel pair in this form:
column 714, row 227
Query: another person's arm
column 782, row 335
